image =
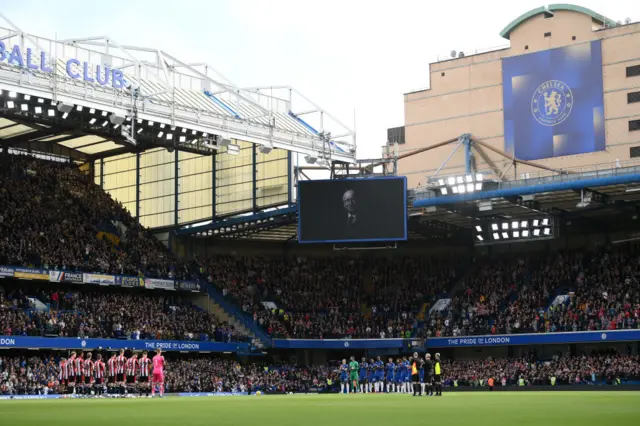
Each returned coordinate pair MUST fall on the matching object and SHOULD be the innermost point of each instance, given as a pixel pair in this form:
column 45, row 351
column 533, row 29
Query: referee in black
column 428, row 375
column 438, row 379
column 416, row 365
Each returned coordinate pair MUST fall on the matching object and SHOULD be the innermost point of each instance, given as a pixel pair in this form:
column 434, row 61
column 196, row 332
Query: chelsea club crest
column 552, row 102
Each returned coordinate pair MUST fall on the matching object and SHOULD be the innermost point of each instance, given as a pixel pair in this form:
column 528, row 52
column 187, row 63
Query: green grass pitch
column 463, row 408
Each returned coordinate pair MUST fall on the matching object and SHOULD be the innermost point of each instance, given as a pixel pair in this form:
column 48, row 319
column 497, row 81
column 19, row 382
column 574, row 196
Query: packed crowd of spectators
column 512, row 294
column 333, row 297
column 51, row 215
column 220, row 375
column 561, row 370
column 96, row 312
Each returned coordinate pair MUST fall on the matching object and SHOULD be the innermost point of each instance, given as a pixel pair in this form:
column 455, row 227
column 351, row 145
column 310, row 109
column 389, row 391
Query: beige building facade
column 466, row 96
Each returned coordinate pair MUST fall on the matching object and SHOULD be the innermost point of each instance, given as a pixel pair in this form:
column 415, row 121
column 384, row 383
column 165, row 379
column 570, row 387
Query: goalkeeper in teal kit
column 353, row 374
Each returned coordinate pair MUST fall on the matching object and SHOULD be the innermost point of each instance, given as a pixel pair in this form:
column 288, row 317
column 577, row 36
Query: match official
column 428, row 375
column 416, row 365
column 438, row 379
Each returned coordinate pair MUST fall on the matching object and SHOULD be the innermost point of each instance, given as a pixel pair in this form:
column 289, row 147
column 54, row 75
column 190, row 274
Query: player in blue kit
column 364, row 371
column 371, row 378
column 379, row 375
column 406, row 376
column 399, row 372
column 390, row 377
column 344, row 377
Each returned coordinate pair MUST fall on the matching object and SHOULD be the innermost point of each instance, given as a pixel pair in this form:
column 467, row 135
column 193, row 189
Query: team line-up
column 406, row 375
column 81, row 375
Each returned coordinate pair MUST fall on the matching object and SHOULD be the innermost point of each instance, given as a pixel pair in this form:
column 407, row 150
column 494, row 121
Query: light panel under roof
column 101, row 147
column 82, row 140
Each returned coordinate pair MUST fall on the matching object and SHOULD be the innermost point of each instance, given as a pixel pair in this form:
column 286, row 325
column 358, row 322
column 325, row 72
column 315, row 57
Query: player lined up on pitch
column 119, row 377
column 407, row 375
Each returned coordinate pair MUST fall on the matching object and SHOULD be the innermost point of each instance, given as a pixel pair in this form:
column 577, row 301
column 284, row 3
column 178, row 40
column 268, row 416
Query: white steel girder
column 173, row 92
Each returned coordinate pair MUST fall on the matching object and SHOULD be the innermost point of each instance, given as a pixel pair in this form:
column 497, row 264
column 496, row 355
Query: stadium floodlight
column 105, row 123
column 27, row 97
column 128, row 118
column 469, row 187
column 116, row 126
column 461, row 189
column 536, row 222
column 479, row 177
column 169, row 136
column 516, row 234
column 547, row 231
column 162, row 125
column 79, row 108
column 451, row 181
column 536, row 232
column 139, row 120
column 116, row 119
column 525, row 233
column 160, row 134
column 233, row 149
column 184, row 130
column 480, row 237
column 65, row 115
column 444, row 191
column 311, row 159
column 38, row 110
column 267, row 149
column 205, row 134
column 104, row 113
column 62, row 107
column 441, row 182
column 173, row 128
column 92, row 121
column 505, row 235
column 496, row 236
column 459, row 179
column 92, row 111
column 24, row 107
column 40, row 100
column 478, row 186
column 468, row 178
column 193, row 132
column 478, row 228
column 139, row 131
column 13, row 95
column 524, row 224
column 545, row 221
column 454, row 189
column 183, row 138
column 151, row 123
column 505, row 226
column 11, row 104
column 515, row 224
column 52, row 112
column 494, row 226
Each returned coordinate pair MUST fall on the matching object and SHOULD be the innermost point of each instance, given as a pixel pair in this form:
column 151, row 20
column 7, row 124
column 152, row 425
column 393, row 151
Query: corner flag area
column 464, row 408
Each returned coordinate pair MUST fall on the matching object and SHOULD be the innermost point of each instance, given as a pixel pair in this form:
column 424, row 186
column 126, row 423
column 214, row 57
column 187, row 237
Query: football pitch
column 463, row 408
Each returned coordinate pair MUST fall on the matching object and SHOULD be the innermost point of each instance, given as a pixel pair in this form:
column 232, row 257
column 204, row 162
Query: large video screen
column 352, row 210
column 553, row 102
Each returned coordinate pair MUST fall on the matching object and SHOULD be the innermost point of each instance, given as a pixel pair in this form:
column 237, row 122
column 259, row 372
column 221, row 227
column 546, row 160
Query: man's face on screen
column 349, row 201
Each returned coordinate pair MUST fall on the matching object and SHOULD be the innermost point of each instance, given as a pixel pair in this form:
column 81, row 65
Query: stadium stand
column 515, row 294
column 345, row 297
column 54, row 216
column 91, row 311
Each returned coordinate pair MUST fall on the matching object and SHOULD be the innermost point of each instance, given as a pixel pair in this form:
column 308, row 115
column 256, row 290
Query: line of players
column 81, row 375
column 406, row 375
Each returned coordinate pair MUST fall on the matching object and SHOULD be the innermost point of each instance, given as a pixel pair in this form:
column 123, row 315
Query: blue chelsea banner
column 553, row 102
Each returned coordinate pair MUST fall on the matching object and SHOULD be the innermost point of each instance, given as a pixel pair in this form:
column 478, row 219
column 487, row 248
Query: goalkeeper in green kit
column 353, row 374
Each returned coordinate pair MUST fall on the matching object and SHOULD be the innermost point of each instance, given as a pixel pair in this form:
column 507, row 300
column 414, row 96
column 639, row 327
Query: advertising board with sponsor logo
column 97, row 279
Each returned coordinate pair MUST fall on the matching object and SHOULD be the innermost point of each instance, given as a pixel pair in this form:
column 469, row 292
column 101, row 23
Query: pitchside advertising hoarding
column 553, row 102
column 352, row 210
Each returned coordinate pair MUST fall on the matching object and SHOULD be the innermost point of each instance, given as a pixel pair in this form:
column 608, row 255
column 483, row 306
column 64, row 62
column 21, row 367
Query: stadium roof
column 600, row 19
column 161, row 89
